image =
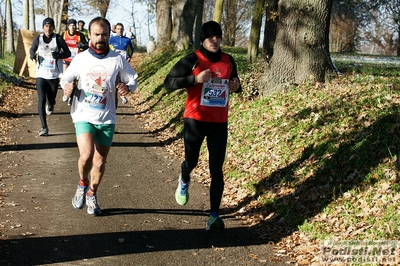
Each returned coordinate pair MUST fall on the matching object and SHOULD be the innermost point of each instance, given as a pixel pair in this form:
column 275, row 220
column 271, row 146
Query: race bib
column 122, row 52
column 96, row 98
column 48, row 62
column 215, row 93
column 74, row 51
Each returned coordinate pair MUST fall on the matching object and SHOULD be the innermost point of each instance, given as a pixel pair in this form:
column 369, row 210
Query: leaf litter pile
column 314, row 163
column 317, row 162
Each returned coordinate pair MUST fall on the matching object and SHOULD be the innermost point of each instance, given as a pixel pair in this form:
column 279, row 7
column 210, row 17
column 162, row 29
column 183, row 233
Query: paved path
column 141, row 225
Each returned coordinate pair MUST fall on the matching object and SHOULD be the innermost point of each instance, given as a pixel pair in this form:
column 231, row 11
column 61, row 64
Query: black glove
column 82, row 46
column 33, row 57
column 56, row 55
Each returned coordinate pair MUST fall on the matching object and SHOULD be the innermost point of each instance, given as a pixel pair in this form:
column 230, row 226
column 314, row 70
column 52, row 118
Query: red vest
column 193, row 109
column 72, row 43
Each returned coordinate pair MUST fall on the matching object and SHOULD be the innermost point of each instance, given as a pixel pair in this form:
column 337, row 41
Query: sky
column 119, row 12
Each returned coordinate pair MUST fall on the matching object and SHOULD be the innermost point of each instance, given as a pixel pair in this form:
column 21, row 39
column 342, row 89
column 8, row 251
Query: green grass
column 316, row 160
column 7, row 76
column 309, row 152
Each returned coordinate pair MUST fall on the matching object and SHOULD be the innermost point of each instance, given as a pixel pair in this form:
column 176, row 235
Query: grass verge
column 7, row 76
column 316, row 163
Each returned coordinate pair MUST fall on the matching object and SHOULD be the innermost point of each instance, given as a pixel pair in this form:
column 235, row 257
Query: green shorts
column 103, row 134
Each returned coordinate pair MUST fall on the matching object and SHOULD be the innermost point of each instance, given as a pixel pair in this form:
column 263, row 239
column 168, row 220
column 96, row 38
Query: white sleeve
column 69, row 74
column 129, row 76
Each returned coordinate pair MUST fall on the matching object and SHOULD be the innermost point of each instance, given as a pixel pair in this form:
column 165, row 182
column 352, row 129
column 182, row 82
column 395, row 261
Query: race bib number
column 74, row 51
column 96, row 98
column 48, row 62
column 215, row 93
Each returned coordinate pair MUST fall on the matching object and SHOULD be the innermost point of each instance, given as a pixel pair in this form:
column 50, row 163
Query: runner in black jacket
column 209, row 75
column 48, row 49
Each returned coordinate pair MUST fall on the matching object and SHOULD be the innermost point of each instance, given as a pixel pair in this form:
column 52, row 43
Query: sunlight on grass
column 319, row 159
column 7, row 76
column 315, row 162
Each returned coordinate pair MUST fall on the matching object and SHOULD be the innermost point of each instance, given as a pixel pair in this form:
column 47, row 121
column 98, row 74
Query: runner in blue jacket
column 120, row 43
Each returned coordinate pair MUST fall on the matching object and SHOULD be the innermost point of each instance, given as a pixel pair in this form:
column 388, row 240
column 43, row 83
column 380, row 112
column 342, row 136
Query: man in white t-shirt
column 102, row 75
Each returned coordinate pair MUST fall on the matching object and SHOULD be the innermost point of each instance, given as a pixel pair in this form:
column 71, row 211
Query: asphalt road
column 141, row 222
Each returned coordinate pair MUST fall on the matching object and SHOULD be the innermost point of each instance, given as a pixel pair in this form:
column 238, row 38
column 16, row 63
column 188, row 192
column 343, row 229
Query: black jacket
column 181, row 76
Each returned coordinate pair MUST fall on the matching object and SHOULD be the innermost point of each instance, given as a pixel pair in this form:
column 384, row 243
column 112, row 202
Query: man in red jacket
column 209, row 75
column 76, row 42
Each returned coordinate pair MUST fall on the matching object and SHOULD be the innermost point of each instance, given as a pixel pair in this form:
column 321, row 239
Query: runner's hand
column 234, row 84
column 68, row 89
column 203, row 76
column 123, row 89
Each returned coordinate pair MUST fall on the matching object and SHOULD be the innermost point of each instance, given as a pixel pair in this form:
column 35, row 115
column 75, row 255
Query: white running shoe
column 78, row 201
column 65, row 98
column 93, row 206
column 44, row 132
column 49, row 110
column 124, row 100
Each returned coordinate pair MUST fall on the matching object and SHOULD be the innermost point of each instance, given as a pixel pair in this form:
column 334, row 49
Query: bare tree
column 235, row 22
column 199, row 23
column 343, row 30
column 301, row 46
column 25, row 14
column 46, row 8
column 254, row 41
column 1, row 34
column 349, row 20
column 175, row 22
column 10, row 48
column 392, row 9
column 55, row 9
column 218, row 10
column 208, row 10
column 229, row 21
column 100, row 5
column 183, row 15
column 31, row 15
column 151, row 11
column 164, row 23
column 270, row 28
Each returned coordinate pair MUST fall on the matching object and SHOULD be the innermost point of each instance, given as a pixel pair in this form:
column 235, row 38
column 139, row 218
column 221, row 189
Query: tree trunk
column 164, row 23
column 199, row 23
column 254, row 41
column 218, row 10
column 301, row 47
column 1, row 35
column 60, row 15
column 229, row 22
column 103, row 7
column 25, row 15
column 270, row 28
column 10, row 48
column 32, row 26
column 398, row 43
column 183, row 14
column 46, row 8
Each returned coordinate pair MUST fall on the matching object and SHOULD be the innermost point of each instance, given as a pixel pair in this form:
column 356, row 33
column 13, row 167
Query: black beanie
column 209, row 29
column 71, row 21
column 48, row 21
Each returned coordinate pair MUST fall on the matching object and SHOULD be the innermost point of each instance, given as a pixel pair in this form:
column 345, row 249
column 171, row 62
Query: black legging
column 217, row 134
column 47, row 92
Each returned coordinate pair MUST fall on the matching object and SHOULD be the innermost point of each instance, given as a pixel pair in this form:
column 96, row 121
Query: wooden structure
column 23, row 65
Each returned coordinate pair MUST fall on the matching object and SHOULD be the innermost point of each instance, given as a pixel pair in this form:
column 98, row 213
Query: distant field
column 370, row 59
